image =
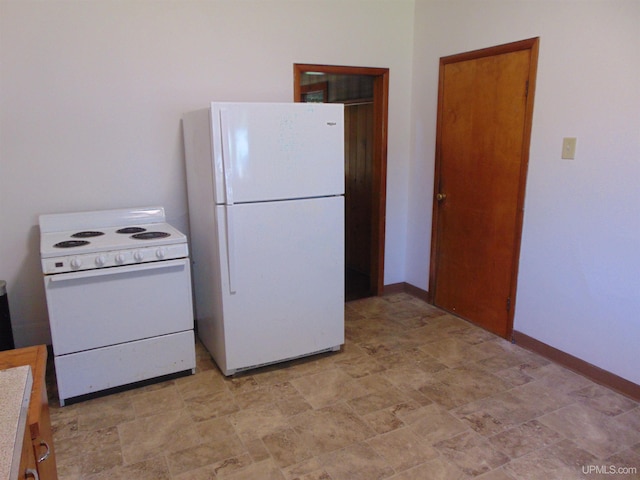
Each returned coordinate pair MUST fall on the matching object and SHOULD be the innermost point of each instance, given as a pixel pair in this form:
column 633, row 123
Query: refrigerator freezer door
column 287, row 271
column 276, row 151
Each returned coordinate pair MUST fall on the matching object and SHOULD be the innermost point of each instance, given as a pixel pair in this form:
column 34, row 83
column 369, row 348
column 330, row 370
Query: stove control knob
column 161, row 253
column 120, row 258
column 76, row 263
column 138, row 256
column 100, row 261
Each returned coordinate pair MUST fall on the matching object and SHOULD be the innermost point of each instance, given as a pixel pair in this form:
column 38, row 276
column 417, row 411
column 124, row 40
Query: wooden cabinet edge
column 27, row 458
column 38, row 419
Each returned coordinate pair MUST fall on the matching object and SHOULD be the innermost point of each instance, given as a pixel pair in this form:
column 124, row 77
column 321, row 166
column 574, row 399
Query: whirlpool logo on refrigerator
column 332, row 124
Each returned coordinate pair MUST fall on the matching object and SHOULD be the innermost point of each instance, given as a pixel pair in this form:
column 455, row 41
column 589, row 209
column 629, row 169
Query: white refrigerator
column 266, row 211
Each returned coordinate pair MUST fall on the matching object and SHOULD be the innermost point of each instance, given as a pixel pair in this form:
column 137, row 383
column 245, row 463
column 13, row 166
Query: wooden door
column 358, row 123
column 484, row 122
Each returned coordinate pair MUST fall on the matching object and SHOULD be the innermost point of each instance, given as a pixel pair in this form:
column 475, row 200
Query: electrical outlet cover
column 569, row 148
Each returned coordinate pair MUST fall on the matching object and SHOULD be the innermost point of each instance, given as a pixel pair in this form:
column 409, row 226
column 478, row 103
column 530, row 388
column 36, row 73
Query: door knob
column 441, row 196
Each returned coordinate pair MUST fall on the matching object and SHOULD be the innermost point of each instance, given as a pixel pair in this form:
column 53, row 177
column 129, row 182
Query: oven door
column 97, row 308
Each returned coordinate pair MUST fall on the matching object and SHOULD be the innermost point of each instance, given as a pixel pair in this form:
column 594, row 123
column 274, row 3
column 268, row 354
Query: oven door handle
column 101, row 272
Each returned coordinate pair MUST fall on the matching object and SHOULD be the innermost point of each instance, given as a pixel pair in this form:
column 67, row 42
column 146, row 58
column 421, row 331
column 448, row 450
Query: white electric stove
column 118, row 288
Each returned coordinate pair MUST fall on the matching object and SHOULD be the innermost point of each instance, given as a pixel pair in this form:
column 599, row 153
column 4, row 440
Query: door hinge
column 526, row 89
column 508, row 304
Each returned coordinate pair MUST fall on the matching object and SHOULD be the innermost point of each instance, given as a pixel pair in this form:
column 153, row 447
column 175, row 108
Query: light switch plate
column 569, row 148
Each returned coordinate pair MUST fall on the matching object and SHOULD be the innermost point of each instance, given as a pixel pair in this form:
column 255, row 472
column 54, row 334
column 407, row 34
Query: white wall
column 579, row 278
column 91, row 96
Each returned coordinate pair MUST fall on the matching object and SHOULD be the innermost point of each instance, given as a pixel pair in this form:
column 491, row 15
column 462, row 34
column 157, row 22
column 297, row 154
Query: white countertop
column 15, row 392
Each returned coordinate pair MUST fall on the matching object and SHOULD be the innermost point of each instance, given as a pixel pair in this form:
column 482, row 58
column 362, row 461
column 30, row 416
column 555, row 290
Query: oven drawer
column 97, row 308
column 95, row 370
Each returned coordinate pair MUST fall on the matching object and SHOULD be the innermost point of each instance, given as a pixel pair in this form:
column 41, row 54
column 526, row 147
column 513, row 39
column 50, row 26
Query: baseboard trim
column 404, row 287
column 597, row 374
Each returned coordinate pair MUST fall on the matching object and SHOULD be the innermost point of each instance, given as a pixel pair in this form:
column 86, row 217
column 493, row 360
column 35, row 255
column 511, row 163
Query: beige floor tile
column 525, row 438
column 204, row 454
column 513, row 356
column 264, row 470
column 242, row 383
column 221, row 469
column 402, row 449
column 310, row 469
column 144, row 437
column 514, row 376
column 603, row 400
column 152, row 469
column 286, row 447
column 258, row 421
column 630, row 419
column 434, row 331
column 434, row 424
column 89, row 452
column 105, row 412
column 410, row 412
column 64, row 422
column 384, row 421
column 497, row 474
column 293, row 405
column 259, row 396
column 595, row 432
column 214, row 429
column 541, row 397
column 437, row 469
column 471, row 334
column 356, row 462
column 157, row 401
column 455, row 352
column 330, row 428
column 255, row 447
column 357, row 366
column 559, row 378
column 203, row 473
column 563, row 460
column 380, row 394
column 415, row 393
column 207, row 405
column 472, row 453
column 496, row 413
column 69, row 471
column 327, row 388
column 461, row 385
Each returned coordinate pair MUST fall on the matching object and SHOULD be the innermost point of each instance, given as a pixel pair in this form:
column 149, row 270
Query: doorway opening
column 364, row 92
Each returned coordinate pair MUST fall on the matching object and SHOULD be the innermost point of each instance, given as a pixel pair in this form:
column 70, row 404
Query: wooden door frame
column 531, row 44
column 380, row 121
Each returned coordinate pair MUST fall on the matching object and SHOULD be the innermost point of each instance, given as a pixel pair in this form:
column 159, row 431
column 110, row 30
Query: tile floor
column 415, row 394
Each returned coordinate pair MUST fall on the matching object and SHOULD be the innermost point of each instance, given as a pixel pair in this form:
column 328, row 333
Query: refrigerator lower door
column 282, row 280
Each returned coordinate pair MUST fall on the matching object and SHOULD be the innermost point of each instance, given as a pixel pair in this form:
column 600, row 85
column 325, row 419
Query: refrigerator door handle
column 231, row 248
column 226, row 157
